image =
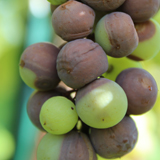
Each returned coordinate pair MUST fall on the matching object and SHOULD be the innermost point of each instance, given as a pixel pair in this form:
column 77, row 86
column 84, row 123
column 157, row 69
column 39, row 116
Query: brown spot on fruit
column 44, row 123
column 112, row 136
column 42, row 83
column 118, row 46
column 91, row 12
column 145, row 30
column 22, row 63
column 150, row 88
column 123, row 40
column 72, row 108
column 119, row 146
column 40, row 59
column 128, row 146
column 110, row 68
column 68, row 71
column 63, row 6
column 125, row 141
column 144, row 101
column 135, row 58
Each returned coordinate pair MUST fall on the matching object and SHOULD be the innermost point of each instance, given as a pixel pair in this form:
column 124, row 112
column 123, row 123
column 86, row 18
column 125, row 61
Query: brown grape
column 73, row 20
column 80, row 62
column 140, row 88
column 140, row 10
column 116, row 141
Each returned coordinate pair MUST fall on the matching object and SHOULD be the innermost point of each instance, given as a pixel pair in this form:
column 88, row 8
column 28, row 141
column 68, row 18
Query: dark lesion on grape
column 43, row 84
column 150, row 88
column 68, row 71
column 110, row 68
column 22, row 63
column 128, row 146
column 72, row 108
column 119, row 146
column 112, row 136
column 144, row 101
column 134, row 58
column 125, row 141
column 44, row 123
column 117, row 46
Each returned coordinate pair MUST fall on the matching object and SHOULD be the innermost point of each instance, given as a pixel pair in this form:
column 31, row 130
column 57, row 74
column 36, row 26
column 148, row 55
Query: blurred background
column 23, row 23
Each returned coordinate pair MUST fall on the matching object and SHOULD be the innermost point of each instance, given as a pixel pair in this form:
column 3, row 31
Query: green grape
column 116, row 65
column 57, row 2
column 101, row 104
column 71, row 146
column 157, row 16
column 58, row 115
column 149, row 37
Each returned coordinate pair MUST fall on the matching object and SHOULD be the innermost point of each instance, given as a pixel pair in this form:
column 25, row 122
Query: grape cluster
column 87, row 89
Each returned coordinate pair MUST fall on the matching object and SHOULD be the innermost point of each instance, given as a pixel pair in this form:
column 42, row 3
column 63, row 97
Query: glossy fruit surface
column 58, row 115
column 101, row 104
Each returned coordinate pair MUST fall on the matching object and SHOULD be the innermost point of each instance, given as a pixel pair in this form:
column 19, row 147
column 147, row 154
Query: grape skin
column 80, row 62
column 104, row 5
column 140, row 10
column 71, row 146
column 58, row 115
column 116, row 34
column 101, row 104
column 38, row 66
column 35, row 102
column 116, row 141
column 140, row 88
column 73, row 20
column 46, row 85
